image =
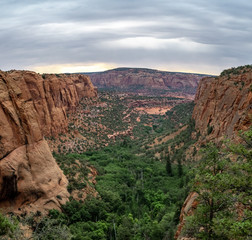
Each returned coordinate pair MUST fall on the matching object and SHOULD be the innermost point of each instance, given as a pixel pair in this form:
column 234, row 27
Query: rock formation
column 140, row 78
column 188, row 207
column 33, row 106
column 223, row 105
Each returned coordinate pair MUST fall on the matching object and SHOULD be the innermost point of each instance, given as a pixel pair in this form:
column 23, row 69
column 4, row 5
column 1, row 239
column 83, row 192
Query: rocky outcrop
column 188, row 207
column 146, row 79
column 33, row 106
column 223, row 105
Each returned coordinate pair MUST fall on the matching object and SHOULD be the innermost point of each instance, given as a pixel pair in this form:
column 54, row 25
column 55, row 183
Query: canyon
column 93, row 134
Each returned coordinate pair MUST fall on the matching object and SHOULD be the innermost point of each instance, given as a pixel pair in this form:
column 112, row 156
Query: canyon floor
column 113, row 116
column 115, row 156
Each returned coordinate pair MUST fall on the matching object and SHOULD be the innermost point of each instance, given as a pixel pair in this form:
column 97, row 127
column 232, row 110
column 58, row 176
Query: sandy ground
column 154, row 110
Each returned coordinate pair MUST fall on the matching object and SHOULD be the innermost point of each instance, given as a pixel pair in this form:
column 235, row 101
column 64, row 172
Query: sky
column 51, row 36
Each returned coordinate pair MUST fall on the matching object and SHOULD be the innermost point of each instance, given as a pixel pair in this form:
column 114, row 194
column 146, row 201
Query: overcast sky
column 89, row 35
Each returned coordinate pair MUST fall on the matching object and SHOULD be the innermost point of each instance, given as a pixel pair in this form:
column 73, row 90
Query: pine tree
column 180, row 168
column 168, row 165
column 223, row 185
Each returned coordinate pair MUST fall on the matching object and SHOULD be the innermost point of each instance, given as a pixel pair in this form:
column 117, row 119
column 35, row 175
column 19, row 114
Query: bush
column 7, row 226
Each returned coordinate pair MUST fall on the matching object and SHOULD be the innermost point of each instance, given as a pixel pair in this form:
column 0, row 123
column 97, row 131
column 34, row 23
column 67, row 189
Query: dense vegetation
column 137, row 197
column 224, row 184
column 235, row 70
column 140, row 198
column 139, row 193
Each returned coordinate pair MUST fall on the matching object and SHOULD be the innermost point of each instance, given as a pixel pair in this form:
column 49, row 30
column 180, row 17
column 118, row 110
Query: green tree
column 126, row 228
column 49, row 229
column 224, row 188
column 168, row 166
column 8, row 227
column 180, row 168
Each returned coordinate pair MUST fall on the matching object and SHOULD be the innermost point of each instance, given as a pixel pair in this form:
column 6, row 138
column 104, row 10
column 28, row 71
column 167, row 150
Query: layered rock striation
column 33, row 106
column 141, row 78
column 223, row 105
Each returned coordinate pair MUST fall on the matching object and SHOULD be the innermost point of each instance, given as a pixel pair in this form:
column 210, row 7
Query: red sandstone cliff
column 223, row 105
column 31, row 107
column 147, row 79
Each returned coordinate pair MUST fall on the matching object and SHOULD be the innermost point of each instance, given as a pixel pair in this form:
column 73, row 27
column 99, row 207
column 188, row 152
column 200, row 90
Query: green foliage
column 180, row 168
column 75, row 170
column 137, row 198
column 236, row 70
column 224, row 187
column 7, row 227
column 168, row 166
column 51, row 229
column 180, row 114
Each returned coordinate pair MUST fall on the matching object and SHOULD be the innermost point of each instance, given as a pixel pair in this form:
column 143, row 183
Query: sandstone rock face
column 188, row 207
column 146, row 79
column 223, row 105
column 31, row 107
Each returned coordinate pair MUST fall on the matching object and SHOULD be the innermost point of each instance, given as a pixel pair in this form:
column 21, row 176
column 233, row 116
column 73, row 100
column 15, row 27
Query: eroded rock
column 223, row 105
column 31, row 107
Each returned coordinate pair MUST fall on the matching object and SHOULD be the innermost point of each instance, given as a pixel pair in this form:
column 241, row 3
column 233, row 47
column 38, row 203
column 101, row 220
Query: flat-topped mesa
column 223, row 105
column 146, row 79
column 33, row 106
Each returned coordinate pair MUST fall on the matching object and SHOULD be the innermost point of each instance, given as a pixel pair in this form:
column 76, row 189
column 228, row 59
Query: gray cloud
column 195, row 35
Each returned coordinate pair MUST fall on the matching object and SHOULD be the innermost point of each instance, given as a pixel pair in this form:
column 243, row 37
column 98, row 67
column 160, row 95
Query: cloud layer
column 181, row 35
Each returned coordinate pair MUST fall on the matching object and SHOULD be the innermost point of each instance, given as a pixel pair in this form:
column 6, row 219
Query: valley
column 113, row 116
column 119, row 164
column 134, row 195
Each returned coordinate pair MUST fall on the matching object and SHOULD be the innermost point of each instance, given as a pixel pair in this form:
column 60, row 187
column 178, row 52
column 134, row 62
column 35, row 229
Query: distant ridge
column 143, row 69
column 144, row 79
